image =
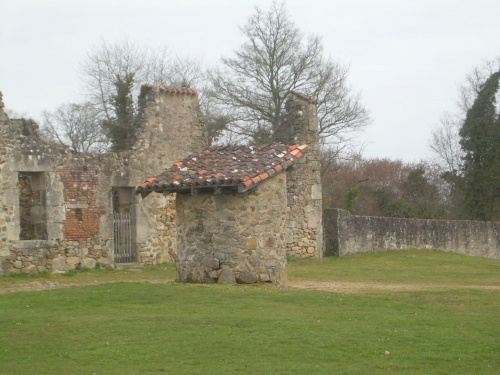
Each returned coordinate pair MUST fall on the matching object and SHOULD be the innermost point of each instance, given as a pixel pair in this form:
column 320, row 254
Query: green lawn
column 168, row 328
column 400, row 267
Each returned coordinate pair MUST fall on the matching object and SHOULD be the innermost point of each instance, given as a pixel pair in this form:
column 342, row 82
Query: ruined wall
column 347, row 234
column 230, row 238
column 64, row 201
column 304, row 224
column 77, row 189
column 172, row 128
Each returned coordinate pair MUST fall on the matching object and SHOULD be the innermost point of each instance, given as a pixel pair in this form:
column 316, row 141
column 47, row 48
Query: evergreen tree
column 121, row 128
column 480, row 141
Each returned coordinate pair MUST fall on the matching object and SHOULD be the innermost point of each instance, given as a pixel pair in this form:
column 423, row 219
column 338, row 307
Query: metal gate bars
column 124, row 249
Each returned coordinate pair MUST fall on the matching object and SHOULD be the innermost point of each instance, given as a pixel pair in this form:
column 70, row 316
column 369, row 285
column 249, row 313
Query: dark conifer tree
column 120, row 129
column 480, row 141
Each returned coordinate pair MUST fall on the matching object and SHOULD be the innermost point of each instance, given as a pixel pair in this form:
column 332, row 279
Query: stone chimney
column 170, row 126
column 304, row 199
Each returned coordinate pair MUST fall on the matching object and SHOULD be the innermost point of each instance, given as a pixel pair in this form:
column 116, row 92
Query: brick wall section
column 82, row 214
column 304, row 224
column 347, row 234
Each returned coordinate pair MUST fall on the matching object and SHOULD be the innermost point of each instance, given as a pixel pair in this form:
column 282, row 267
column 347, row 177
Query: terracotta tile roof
column 241, row 166
column 173, row 90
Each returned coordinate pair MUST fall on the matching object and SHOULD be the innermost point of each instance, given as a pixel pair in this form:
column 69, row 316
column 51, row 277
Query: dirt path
column 47, row 285
column 330, row 286
column 360, row 287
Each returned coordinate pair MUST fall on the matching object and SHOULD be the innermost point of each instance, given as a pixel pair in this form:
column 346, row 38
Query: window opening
column 32, row 206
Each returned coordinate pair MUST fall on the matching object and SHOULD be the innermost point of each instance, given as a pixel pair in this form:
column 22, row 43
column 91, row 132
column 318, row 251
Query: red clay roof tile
column 256, row 179
column 226, row 165
column 264, row 175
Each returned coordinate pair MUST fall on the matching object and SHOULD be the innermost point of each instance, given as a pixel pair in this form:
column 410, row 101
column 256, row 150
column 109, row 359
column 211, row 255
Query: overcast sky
column 406, row 57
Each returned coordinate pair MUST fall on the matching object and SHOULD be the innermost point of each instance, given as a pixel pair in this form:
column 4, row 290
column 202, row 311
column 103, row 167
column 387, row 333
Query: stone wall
column 305, row 208
column 234, row 237
column 171, row 129
column 76, row 189
column 347, row 234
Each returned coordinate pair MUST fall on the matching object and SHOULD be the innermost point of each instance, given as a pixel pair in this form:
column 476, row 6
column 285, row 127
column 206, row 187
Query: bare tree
column 468, row 91
column 383, row 187
column 251, row 88
column 113, row 74
column 76, row 125
column 445, row 139
column 445, row 144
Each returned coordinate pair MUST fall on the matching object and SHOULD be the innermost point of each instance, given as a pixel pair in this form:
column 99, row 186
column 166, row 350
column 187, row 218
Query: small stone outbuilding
column 231, row 207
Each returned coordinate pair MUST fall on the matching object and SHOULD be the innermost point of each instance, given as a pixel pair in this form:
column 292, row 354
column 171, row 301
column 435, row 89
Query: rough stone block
column 4, row 251
column 227, row 277
column 88, row 263
column 264, row 277
column 210, row 263
column 59, row 265
column 41, row 269
column 72, row 262
column 246, row 277
column 252, row 244
column 314, row 220
column 31, row 269
column 214, row 274
column 221, row 256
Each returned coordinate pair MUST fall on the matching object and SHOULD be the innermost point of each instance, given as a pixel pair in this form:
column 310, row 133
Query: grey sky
column 406, row 57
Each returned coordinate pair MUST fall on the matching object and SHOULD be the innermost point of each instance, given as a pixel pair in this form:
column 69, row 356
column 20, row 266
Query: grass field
column 159, row 327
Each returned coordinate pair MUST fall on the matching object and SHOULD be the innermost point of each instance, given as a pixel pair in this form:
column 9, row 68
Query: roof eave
column 214, row 189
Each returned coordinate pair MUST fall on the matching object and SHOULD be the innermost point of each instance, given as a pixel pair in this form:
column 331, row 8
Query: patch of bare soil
column 361, row 287
column 329, row 286
column 46, row 285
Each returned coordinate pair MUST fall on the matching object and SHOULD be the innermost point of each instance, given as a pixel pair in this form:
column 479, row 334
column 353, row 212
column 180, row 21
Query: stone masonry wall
column 304, row 224
column 230, row 238
column 347, row 234
column 70, row 187
column 172, row 128
column 77, row 188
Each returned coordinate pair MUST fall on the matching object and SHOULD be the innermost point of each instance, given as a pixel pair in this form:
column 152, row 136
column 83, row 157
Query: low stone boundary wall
column 52, row 256
column 347, row 234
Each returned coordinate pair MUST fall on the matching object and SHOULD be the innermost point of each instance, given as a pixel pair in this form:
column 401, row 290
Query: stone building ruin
column 231, row 207
column 61, row 210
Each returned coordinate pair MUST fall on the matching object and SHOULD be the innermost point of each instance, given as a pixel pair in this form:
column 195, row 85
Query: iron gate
column 124, row 249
